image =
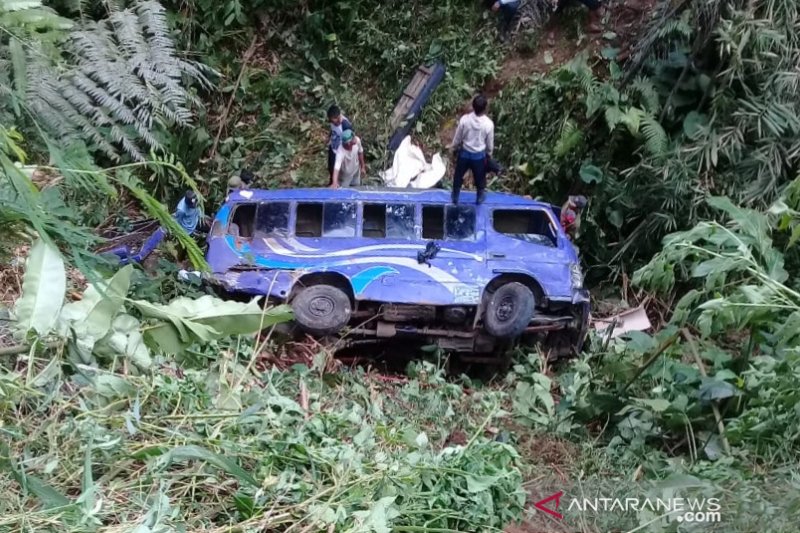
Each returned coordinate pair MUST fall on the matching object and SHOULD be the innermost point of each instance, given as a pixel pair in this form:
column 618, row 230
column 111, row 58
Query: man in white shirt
column 349, row 162
column 473, row 145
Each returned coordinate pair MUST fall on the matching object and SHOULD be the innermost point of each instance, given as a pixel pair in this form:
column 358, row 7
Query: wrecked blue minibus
column 393, row 263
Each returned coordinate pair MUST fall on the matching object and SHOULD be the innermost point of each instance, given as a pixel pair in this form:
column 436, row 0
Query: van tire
column 509, row 311
column 321, row 309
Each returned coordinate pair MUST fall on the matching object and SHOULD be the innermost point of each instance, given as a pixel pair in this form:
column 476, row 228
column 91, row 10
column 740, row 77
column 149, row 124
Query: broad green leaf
column 378, row 517
column 43, row 288
column 478, row 484
column 207, row 318
column 639, row 341
column 658, row 405
column 590, row 173
column 198, row 453
column 92, row 316
column 126, row 339
column 112, row 386
column 751, row 222
column 694, row 123
column 714, row 389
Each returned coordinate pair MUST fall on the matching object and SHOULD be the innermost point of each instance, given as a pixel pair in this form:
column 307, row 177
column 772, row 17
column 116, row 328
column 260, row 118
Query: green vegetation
column 142, row 404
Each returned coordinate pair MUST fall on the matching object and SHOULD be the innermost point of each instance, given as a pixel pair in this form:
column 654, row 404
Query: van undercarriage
column 459, row 329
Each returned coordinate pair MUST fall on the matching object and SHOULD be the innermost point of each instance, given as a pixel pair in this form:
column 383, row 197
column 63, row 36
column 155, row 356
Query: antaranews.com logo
column 694, row 510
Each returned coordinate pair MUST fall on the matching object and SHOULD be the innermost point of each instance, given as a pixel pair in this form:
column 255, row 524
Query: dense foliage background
column 680, row 122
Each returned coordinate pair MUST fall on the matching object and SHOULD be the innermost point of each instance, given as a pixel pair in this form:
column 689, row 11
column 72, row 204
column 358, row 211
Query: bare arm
column 458, row 138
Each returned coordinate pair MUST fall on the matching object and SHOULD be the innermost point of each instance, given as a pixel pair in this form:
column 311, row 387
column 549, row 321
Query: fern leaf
column 656, row 140
column 571, row 136
column 123, row 79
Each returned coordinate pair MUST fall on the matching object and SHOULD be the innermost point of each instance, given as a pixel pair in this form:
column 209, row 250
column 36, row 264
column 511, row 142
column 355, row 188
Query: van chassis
column 560, row 333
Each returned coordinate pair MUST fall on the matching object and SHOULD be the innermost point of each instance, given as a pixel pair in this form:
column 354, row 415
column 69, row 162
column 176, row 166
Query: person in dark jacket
column 338, row 123
column 508, row 11
column 595, row 8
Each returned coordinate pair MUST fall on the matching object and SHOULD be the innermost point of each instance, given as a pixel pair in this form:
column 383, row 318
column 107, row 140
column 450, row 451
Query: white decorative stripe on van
column 278, row 248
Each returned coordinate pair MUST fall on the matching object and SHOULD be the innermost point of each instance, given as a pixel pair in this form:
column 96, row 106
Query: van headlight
column 576, row 276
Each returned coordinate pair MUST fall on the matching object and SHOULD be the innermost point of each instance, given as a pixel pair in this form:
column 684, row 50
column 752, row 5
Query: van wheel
column 321, row 309
column 509, row 311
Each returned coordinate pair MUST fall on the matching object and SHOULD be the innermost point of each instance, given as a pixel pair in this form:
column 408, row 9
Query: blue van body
column 268, row 242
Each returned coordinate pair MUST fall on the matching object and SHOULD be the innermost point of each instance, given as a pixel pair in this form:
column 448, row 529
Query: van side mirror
column 431, row 249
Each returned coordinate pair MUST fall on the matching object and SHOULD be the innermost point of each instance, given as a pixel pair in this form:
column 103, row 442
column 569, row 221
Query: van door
column 460, row 262
column 524, row 240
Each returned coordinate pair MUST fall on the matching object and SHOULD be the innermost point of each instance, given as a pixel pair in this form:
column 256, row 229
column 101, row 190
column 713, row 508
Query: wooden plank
column 409, row 95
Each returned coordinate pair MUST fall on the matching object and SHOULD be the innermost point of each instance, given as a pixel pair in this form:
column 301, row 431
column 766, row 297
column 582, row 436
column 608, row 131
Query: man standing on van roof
column 339, row 124
column 349, row 162
column 473, row 145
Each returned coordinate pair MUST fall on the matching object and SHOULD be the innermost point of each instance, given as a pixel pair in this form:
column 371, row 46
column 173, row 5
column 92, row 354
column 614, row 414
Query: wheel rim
column 321, row 306
column 505, row 309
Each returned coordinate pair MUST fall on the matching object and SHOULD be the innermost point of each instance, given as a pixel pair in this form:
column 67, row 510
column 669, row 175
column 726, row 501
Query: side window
column 374, row 225
column 309, row 220
column 453, row 222
column 339, row 220
column 273, row 219
column 432, row 222
column 393, row 221
column 531, row 225
column 459, row 224
column 400, row 221
column 243, row 221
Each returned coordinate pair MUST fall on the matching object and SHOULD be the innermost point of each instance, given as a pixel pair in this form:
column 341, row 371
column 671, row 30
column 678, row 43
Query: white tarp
column 409, row 168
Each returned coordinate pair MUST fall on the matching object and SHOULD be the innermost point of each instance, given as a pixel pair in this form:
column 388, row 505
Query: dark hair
column 191, row 198
column 246, row 176
column 479, row 104
column 334, row 111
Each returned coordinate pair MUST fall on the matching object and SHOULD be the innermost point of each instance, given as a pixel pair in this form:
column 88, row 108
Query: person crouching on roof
column 241, row 180
column 473, row 145
column 349, row 163
column 571, row 215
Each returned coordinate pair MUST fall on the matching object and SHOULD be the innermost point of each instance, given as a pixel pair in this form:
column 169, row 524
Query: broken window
column 273, row 219
column 374, row 221
column 432, row 222
column 453, row 222
column 529, row 225
column 459, row 224
column 400, row 221
column 339, row 220
column 243, row 221
column 393, row 221
column 309, row 220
